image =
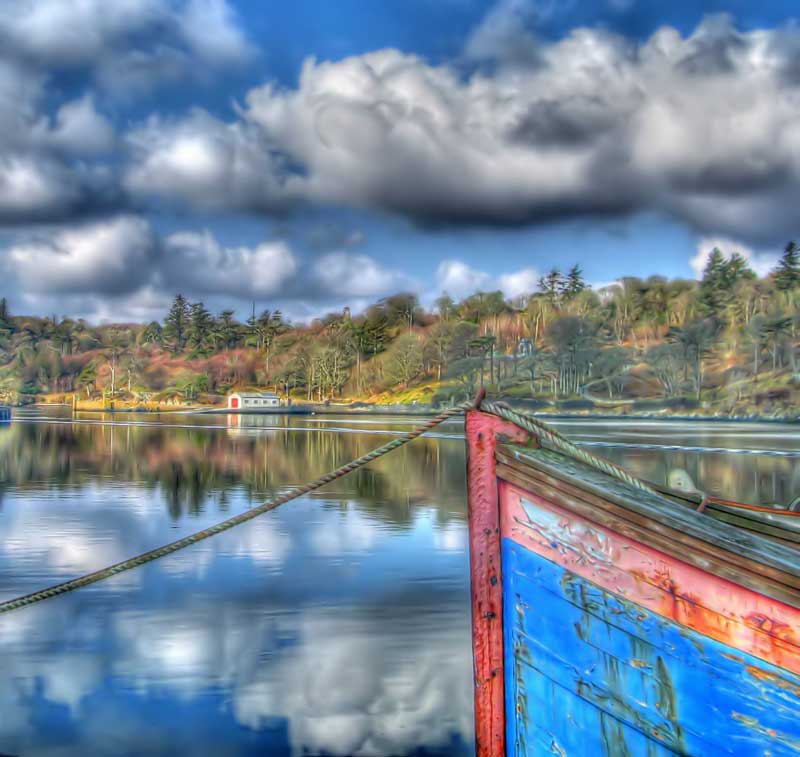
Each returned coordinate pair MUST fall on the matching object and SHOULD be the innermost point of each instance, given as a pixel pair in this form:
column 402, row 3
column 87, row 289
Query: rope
column 526, row 421
column 539, row 428
column 186, row 541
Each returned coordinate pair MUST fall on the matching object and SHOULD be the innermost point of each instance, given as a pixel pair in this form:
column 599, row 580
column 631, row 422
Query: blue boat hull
column 589, row 673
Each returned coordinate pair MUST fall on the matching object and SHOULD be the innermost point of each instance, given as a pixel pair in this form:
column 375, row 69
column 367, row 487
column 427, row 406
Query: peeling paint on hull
column 625, row 624
column 712, row 606
column 589, row 672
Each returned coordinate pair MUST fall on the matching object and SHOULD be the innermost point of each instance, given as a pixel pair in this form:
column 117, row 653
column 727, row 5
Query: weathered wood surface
column 667, row 586
column 631, row 623
column 658, row 507
column 774, row 522
column 486, row 578
column 703, row 555
column 757, row 562
column 590, row 673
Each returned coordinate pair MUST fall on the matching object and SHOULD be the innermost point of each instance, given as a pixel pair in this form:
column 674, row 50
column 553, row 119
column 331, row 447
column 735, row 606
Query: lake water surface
column 338, row 624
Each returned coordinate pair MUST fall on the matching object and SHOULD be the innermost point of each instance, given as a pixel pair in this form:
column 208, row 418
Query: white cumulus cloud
column 198, row 263
column 111, row 256
column 459, row 280
column 355, row 275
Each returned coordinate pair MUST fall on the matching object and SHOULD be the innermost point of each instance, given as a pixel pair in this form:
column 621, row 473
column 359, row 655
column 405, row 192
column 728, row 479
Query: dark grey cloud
column 601, row 126
column 550, row 123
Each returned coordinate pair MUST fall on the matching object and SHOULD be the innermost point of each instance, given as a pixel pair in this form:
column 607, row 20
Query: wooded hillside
column 729, row 341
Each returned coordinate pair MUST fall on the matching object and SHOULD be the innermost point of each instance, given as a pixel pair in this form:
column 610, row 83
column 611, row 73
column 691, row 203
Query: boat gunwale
column 653, row 505
column 713, row 545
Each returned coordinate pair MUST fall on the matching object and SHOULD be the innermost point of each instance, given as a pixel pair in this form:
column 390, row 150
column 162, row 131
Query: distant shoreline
column 428, row 411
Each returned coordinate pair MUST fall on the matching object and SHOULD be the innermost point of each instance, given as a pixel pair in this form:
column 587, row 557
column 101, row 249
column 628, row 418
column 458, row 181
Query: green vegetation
column 727, row 344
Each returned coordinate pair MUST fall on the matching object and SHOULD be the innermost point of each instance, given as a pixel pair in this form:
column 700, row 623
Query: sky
column 313, row 155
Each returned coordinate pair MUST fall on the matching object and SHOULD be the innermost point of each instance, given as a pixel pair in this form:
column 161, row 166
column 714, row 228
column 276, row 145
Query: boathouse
column 254, row 400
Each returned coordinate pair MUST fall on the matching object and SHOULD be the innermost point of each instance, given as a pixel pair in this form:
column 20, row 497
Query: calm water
column 336, row 625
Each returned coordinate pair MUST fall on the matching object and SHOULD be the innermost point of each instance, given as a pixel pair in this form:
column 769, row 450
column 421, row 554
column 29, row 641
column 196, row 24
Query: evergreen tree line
column 638, row 337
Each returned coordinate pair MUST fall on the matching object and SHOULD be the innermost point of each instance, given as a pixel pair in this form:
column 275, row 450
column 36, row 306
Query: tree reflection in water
column 338, row 624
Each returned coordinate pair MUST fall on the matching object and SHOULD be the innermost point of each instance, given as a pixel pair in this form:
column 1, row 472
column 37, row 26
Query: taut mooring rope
column 539, row 428
column 526, row 421
column 186, row 541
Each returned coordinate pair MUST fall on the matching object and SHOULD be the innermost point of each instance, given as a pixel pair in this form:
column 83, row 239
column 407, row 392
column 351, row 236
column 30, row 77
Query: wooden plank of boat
column 778, row 523
column 703, row 553
column 629, row 624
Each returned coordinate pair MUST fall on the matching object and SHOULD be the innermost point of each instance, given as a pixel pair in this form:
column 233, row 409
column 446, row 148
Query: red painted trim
column 712, row 606
column 486, row 575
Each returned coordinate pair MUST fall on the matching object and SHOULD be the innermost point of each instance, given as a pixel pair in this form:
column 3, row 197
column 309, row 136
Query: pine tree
column 176, row 324
column 152, row 333
column 787, row 274
column 551, row 286
column 738, row 269
column 228, row 328
column 573, row 283
column 199, row 328
column 6, row 325
column 713, row 285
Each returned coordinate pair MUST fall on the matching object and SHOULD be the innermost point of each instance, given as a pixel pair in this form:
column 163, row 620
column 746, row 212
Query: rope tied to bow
column 526, row 421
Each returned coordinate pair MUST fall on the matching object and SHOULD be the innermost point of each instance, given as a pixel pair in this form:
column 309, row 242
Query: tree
column 609, row 366
column 787, row 274
column 482, row 305
column 573, row 284
column 190, row 385
column 227, row 329
column 405, row 359
column 666, row 363
column 552, row 287
column 402, row 309
column 712, row 293
column 199, row 329
column 269, row 325
column 537, row 314
column 176, row 325
column 63, row 336
column 572, row 341
column 532, row 364
column 437, row 346
column 291, row 375
column 133, row 368
column 116, row 344
column 465, row 370
column 755, row 331
column 446, row 306
column 483, row 346
column 152, row 333
column 721, row 276
column 776, row 329
column 6, row 324
column 88, row 378
column 695, row 341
